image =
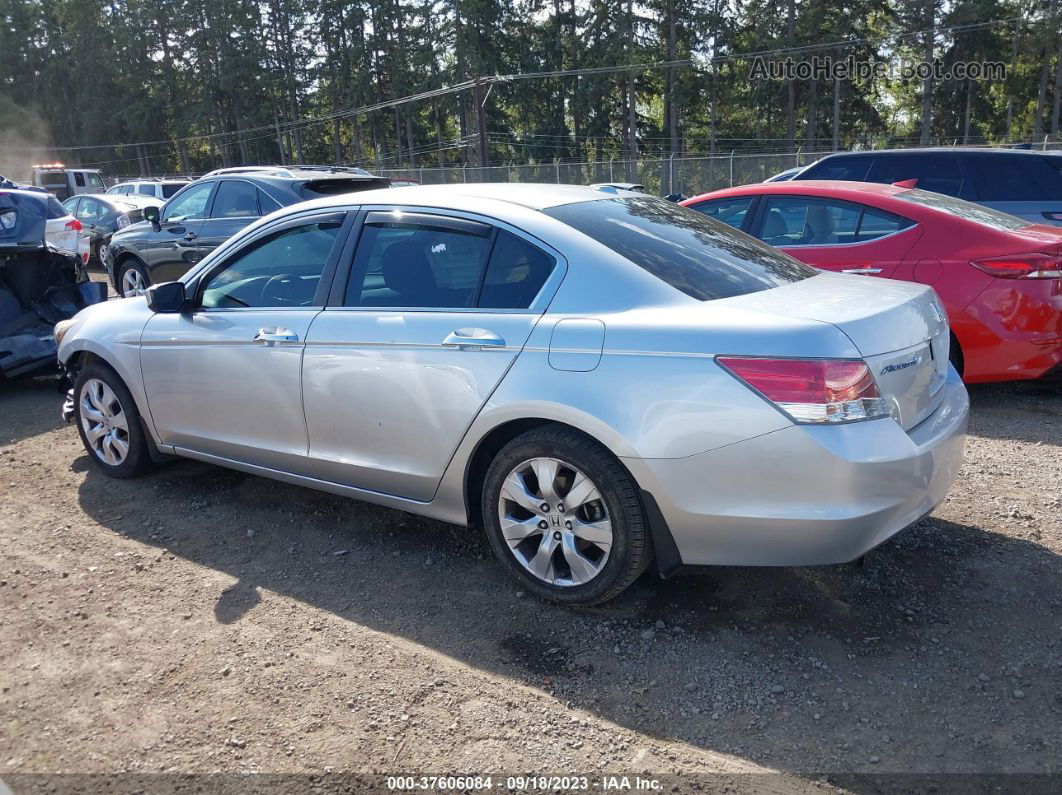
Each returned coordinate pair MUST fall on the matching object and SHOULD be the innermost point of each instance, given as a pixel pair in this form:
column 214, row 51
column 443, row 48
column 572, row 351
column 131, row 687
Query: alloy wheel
column 132, row 282
column 555, row 522
column 104, row 422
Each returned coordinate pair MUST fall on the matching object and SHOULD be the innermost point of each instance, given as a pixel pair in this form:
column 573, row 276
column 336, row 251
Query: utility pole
column 481, row 124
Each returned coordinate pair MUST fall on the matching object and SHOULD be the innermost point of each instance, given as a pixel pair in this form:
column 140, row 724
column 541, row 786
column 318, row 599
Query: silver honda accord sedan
column 597, row 378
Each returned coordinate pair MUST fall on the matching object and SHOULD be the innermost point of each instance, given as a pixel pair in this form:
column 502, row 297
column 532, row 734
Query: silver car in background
column 594, row 377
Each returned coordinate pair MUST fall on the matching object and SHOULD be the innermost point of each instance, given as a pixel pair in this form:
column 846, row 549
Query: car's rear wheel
column 564, row 517
column 955, row 355
column 133, row 278
column 109, row 423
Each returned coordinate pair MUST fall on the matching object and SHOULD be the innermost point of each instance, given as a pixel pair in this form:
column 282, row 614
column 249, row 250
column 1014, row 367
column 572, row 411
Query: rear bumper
column 807, row 495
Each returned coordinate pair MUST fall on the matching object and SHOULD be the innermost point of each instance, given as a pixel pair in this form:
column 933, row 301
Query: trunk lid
column 900, row 329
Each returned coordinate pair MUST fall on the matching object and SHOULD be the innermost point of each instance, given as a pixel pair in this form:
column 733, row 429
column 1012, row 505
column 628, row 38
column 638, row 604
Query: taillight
column 1022, row 266
column 73, row 226
column 812, row 390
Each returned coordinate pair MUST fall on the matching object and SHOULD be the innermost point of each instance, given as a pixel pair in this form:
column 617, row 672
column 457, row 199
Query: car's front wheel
column 109, row 423
column 133, row 278
column 564, row 517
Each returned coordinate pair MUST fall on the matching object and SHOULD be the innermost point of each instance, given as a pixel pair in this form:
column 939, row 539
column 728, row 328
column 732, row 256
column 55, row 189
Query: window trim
column 538, row 306
column 761, row 214
column 197, row 281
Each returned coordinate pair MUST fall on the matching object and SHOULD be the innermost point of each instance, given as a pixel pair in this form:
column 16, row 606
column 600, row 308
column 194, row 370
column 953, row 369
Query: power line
column 279, row 128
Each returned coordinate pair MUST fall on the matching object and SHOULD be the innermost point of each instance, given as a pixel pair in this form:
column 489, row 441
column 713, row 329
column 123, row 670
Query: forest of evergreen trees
column 156, row 86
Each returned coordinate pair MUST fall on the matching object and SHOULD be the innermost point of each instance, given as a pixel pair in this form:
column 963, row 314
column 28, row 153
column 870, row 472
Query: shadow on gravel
column 1027, row 411
column 940, row 653
column 20, row 402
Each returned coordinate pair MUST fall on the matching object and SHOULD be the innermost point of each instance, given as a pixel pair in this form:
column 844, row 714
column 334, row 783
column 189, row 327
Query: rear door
column 836, row 235
column 435, row 310
column 235, row 206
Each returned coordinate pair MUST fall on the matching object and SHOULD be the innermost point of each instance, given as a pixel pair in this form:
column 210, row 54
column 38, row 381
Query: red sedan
column 999, row 277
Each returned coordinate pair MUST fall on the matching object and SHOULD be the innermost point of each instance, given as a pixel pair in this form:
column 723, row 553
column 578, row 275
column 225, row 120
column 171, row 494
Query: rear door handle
column 268, row 335
column 866, row 271
column 472, row 339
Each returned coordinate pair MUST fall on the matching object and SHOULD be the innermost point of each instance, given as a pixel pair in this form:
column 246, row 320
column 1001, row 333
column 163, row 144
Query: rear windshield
column 337, row 186
column 960, row 208
column 700, row 257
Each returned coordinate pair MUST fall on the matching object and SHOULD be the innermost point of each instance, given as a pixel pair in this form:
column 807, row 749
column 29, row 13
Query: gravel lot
column 203, row 620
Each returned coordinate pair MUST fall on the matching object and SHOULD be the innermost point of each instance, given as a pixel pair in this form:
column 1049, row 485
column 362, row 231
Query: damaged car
column 39, row 285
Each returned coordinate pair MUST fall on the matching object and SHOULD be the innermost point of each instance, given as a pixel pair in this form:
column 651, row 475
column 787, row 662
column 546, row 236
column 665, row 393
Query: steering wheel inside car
column 282, row 290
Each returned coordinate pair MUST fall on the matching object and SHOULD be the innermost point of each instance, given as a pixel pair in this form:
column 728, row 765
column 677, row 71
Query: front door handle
column 191, row 236
column 864, row 271
column 468, row 339
column 268, row 335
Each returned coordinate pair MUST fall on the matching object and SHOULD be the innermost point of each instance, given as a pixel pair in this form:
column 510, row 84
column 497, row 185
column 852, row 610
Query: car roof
column 827, row 186
column 951, row 150
column 132, row 199
column 534, row 196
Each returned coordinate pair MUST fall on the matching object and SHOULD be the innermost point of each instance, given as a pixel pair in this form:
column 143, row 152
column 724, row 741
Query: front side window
column 422, row 264
column 935, row 173
column 731, row 212
column 283, row 269
column 94, row 180
column 79, row 179
column 851, row 169
column 89, row 210
column 191, row 204
column 235, row 199
column 701, row 258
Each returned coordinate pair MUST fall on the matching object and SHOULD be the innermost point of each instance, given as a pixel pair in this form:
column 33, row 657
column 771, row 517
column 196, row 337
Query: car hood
column 22, row 221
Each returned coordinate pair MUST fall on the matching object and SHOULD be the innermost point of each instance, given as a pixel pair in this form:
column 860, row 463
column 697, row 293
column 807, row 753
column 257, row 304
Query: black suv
column 1020, row 182
column 205, row 213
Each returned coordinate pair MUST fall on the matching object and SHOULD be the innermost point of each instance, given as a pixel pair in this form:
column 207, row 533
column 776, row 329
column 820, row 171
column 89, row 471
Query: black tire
column 137, row 460
column 631, row 551
column 125, row 267
column 955, row 355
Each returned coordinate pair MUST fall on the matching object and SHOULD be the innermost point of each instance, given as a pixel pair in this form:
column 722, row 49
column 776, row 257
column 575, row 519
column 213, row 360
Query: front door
column 436, row 310
column 235, row 206
column 225, row 377
column 171, row 250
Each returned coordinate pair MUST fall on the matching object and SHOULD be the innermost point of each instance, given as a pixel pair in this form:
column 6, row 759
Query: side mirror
column 151, row 213
column 166, row 297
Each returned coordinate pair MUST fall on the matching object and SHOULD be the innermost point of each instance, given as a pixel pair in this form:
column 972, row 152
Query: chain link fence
column 661, row 176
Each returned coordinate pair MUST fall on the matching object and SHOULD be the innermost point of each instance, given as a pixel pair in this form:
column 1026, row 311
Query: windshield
column 968, row 211
column 700, row 257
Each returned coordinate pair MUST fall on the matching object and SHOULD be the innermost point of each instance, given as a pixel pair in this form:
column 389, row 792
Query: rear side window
column 937, row 173
column 1016, row 178
column 235, row 199
column 338, row 186
column 515, row 274
column 170, row 188
column 55, row 209
column 699, row 257
column 731, row 212
column 146, row 189
column 968, row 211
column 851, row 169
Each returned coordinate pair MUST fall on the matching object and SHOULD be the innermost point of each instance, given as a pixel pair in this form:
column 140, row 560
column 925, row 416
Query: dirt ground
column 200, row 620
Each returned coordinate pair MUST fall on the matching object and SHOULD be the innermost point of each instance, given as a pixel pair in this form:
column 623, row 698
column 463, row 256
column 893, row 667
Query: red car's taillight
column 73, row 226
column 812, row 390
column 1022, row 266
